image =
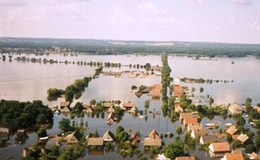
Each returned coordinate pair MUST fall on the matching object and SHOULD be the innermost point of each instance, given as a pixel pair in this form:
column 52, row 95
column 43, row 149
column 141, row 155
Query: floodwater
column 27, row 81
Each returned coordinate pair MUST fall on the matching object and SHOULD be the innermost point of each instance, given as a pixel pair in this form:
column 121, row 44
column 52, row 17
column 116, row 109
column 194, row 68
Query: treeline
column 201, row 80
column 74, row 90
column 24, row 115
column 52, row 61
column 165, row 80
column 106, row 47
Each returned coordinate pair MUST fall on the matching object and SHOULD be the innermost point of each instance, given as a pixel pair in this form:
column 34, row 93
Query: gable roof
column 128, row 105
column 95, row 141
column 208, row 138
column 231, row 130
column 219, row 147
column 254, row 156
column 108, row 136
column 88, row 108
column 154, row 135
column 177, row 90
column 64, row 104
column 111, row 109
column 157, row 87
column 76, row 134
column 233, row 156
column 133, row 109
column 186, row 115
column 190, row 120
column 156, row 93
column 198, row 132
column 178, row 108
column 242, row 138
column 107, row 104
column 185, row 158
column 152, row 142
column 194, row 126
column 235, row 108
column 134, row 136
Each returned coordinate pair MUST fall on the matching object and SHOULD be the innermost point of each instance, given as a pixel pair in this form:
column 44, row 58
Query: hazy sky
column 235, row 21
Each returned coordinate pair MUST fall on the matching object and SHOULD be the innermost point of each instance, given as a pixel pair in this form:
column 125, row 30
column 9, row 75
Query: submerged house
column 233, row 156
column 196, row 133
column 218, row 149
column 134, row 138
column 231, row 130
column 178, row 108
column 195, row 126
column 156, row 92
column 205, row 139
column 177, row 90
column 134, row 110
column 111, row 118
column 190, row 120
column 73, row 137
column 4, row 132
column 185, row 158
column 93, row 141
column 254, row 156
column 64, row 107
column 108, row 136
column 88, row 108
column 243, row 138
column 128, row 105
column 235, row 109
column 111, row 109
column 107, row 105
column 153, row 139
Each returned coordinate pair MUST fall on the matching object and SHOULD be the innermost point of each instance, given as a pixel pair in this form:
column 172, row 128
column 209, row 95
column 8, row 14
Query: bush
column 179, row 129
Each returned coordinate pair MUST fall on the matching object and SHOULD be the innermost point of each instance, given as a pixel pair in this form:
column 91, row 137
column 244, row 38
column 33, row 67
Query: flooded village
column 126, row 109
column 129, row 79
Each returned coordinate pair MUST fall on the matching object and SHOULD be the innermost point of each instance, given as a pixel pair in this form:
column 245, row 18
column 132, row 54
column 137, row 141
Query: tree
column 122, row 136
column 241, row 121
column 92, row 102
column 42, row 132
column 249, row 148
column 211, row 101
column 64, row 125
column 78, row 108
column 248, row 105
column 134, row 87
column 119, row 129
column 96, row 134
column 41, row 119
column 179, row 130
column 146, row 104
column 257, row 141
column 174, row 150
column 236, row 144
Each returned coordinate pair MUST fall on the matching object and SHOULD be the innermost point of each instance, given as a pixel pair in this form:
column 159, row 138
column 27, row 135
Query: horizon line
column 125, row 40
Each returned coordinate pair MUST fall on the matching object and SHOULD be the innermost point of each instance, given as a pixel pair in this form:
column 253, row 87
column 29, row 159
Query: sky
column 228, row 21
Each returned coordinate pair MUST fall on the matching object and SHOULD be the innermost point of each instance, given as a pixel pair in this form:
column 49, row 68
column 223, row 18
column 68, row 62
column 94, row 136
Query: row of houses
column 153, row 139
column 88, row 108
